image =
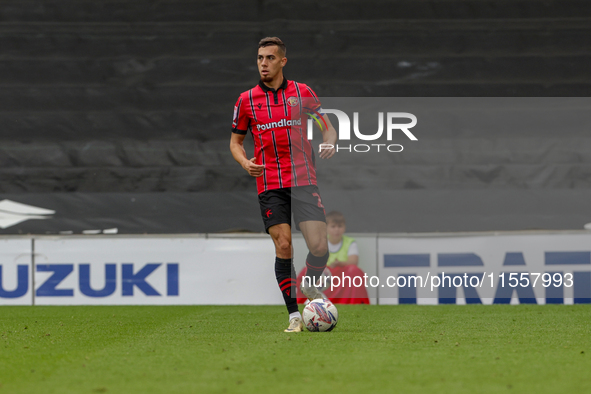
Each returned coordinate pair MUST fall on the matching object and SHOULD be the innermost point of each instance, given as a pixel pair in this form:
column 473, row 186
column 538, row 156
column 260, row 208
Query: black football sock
column 316, row 266
column 286, row 279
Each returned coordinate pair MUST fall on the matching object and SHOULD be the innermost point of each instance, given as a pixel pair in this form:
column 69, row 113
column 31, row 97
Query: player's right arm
column 240, row 126
column 239, row 154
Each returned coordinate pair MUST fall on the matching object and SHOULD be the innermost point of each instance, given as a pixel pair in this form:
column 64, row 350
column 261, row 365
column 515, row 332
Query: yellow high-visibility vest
column 343, row 253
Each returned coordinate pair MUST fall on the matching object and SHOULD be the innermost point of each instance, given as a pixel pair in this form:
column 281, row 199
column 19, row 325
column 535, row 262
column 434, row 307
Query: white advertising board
column 487, row 268
column 499, row 268
column 16, row 272
column 154, row 270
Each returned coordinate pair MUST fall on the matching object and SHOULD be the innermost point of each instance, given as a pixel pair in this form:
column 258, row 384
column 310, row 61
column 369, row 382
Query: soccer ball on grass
column 320, row 315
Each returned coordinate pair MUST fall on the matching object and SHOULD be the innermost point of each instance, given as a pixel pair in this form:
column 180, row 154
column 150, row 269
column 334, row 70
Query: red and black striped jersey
column 277, row 121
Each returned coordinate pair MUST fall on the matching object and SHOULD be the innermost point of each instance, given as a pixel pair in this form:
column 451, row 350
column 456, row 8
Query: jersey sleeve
column 311, row 100
column 240, row 122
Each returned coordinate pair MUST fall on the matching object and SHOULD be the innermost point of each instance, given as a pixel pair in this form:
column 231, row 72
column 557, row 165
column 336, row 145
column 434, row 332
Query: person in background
column 343, row 260
column 343, row 249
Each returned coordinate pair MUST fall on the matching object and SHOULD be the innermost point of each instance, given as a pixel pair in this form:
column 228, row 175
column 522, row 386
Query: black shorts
column 277, row 206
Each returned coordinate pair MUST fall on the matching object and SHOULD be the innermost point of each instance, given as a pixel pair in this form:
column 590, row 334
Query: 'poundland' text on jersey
column 281, row 123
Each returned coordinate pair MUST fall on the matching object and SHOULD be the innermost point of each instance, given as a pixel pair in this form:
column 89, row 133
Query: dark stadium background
column 116, row 114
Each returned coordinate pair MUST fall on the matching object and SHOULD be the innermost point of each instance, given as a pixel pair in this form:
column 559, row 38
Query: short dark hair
column 268, row 41
column 335, row 217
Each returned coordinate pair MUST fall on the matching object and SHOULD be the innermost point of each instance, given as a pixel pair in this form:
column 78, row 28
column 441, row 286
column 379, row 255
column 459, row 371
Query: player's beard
column 266, row 78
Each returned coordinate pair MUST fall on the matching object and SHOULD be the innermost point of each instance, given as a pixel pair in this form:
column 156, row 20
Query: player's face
column 335, row 231
column 270, row 63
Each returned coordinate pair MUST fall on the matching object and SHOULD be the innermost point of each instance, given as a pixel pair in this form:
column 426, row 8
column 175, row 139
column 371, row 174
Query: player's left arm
column 329, row 139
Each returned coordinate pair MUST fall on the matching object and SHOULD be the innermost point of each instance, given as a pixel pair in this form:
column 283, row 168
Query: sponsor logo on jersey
column 282, row 123
column 235, row 113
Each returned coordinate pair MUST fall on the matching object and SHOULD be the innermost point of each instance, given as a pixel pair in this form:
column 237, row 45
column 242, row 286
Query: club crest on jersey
column 292, row 101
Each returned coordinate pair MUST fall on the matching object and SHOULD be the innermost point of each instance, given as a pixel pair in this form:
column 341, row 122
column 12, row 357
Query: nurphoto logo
column 344, row 131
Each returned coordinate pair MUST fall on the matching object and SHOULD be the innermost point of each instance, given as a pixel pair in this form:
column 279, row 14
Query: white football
column 320, row 315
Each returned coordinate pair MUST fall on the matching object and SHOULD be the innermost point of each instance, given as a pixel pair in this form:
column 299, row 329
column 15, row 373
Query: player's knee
column 283, row 245
column 319, row 248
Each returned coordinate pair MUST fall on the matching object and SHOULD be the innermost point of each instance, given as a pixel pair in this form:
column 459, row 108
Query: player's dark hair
column 335, row 217
column 268, row 41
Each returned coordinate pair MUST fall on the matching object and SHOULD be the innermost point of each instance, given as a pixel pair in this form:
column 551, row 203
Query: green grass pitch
column 225, row 349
